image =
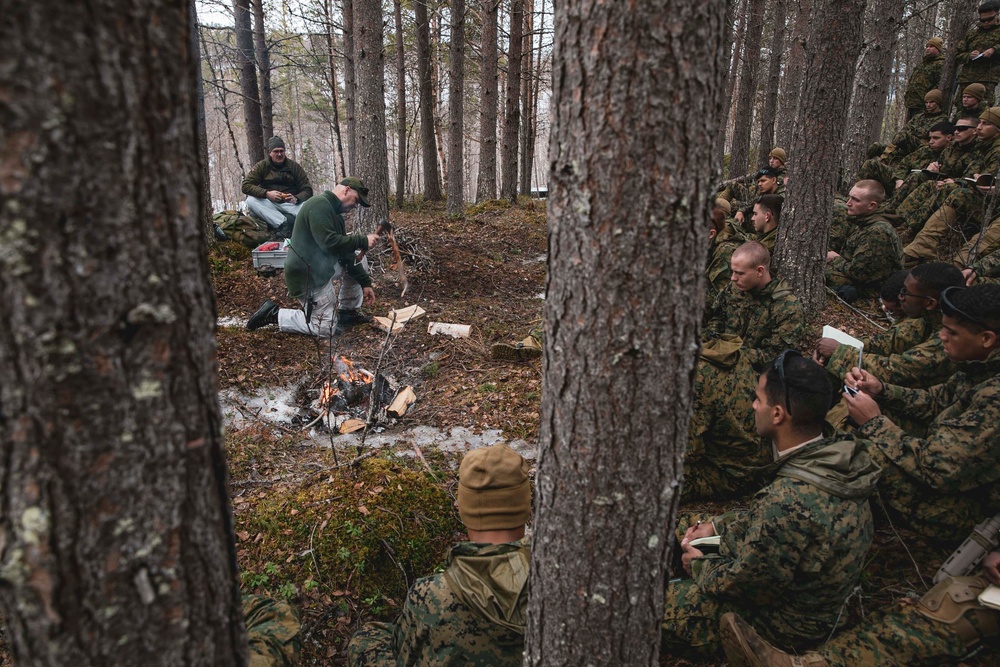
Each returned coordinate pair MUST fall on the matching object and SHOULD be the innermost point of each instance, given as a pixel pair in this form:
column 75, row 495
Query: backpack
column 243, row 229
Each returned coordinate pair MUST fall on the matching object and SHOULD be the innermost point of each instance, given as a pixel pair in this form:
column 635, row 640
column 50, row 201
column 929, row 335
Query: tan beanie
column 778, row 153
column 724, row 205
column 977, row 90
column 936, row 42
column 991, row 115
column 493, row 489
column 934, row 95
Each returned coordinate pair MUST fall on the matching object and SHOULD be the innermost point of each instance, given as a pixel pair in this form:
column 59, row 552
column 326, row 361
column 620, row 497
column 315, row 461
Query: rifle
column 965, row 559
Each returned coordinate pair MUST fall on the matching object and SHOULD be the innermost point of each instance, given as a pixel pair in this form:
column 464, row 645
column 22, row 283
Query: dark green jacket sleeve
column 251, row 184
column 303, row 190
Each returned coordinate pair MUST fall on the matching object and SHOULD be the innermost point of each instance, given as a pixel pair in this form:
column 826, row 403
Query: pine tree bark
column 611, row 442
column 512, row 109
column 739, row 157
column 963, row 13
column 827, row 77
column 118, row 547
column 456, row 111
column 792, row 86
column 248, row 81
column 734, row 45
column 777, row 51
column 527, row 79
column 350, row 87
column 206, row 179
column 263, row 57
column 373, row 156
column 428, row 142
column 486, row 183
column 871, row 84
column 400, row 107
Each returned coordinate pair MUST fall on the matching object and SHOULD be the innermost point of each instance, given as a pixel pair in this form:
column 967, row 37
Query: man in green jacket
column 978, row 53
column 473, row 612
column 791, row 558
column 938, row 478
column 321, row 251
column 276, row 187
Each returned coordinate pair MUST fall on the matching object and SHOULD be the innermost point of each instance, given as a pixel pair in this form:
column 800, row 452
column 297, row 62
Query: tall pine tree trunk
column 827, row 77
column 400, row 107
column 248, row 81
column 350, row 88
column 773, row 83
column 263, row 57
column 792, row 86
column 486, row 183
column 739, row 158
column 456, row 110
column 512, row 110
column 527, row 138
column 334, row 94
column 871, row 84
column 428, row 142
column 618, row 369
column 118, row 546
column 206, row 179
column 373, row 156
column 734, row 45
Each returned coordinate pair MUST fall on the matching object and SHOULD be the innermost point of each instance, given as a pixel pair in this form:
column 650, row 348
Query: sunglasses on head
column 948, row 307
column 779, row 367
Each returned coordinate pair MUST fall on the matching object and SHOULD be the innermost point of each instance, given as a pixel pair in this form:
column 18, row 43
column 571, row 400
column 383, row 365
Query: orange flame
column 352, row 375
column 327, row 394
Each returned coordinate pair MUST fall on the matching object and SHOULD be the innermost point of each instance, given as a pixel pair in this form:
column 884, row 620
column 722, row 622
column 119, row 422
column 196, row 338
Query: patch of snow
column 231, row 322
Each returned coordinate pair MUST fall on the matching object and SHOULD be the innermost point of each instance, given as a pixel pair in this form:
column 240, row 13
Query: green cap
column 358, row 186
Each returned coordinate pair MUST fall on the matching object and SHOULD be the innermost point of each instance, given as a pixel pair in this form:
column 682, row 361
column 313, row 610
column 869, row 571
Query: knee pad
column 954, row 602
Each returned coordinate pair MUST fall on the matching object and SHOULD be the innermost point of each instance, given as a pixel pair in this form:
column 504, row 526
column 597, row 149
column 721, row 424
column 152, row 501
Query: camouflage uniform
column 924, row 197
column 924, row 78
column 962, row 111
column 909, row 354
column 769, row 320
column 987, row 269
column 913, row 135
column 918, row 159
column 870, row 254
column 470, row 614
column 939, row 483
column 789, row 561
column 963, row 205
column 718, row 271
column 912, row 632
column 983, row 70
column 272, row 632
column 723, row 445
column 768, row 239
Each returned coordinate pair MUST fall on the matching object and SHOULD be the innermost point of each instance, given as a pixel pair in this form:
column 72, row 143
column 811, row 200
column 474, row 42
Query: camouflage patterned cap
column 493, row 489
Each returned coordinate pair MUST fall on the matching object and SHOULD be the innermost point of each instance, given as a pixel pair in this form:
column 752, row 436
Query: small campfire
column 357, row 397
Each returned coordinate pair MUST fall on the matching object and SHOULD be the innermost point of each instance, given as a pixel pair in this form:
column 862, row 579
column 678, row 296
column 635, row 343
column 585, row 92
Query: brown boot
column 745, row 648
column 528, row 348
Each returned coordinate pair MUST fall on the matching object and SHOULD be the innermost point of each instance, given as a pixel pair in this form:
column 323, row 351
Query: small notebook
column 990, row 597
column 845, row 338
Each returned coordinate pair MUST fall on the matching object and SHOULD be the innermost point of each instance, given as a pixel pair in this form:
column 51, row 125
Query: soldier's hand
column 373, row 240
column 934, row 166
column 826, row 347
column 864, row 381
column 698, row 530
column 690, row 553
column 970, row 277
column 368, row 296
column 831, row 255
column 974, row 54
column 861, row 407
column 991, row 567
column 275, row 197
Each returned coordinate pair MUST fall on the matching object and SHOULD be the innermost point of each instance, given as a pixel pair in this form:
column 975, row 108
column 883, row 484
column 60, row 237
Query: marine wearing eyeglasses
column 910, row 354
column 940, row 474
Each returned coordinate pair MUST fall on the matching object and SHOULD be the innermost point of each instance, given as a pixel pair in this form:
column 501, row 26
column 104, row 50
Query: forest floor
column 339, row 527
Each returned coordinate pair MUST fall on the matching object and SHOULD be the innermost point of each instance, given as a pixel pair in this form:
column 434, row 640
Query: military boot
column 347, row 319
column 745, row 648
column 266, row 314
column 529, row 348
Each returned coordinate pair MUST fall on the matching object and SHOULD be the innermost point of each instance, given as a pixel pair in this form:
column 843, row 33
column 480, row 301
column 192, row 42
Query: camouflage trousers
column 941, row 518
column 962, row 209
column 272, row 632
column 910, row 184
column 690, row 627
column 920, row 204
column 908, row 635
column 374, row 645
column 980, row 245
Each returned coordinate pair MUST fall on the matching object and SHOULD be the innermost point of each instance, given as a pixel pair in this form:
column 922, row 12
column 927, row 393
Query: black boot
column 350, row 318
column 266, row 314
